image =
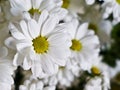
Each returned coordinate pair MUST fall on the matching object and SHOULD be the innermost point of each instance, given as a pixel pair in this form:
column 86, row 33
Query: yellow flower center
column 93, row 27
column 95, row 70
column 66, row 3
column 76, row 45
column 33, row 10
column 40, row 44
column 61, row 68
column 118, row 1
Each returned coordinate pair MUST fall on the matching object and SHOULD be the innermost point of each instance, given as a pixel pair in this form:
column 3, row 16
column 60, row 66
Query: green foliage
column 110, row 55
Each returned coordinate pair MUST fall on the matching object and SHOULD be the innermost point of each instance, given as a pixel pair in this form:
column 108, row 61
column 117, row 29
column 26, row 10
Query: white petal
column 90, row 41
column 90, row 2
column 36, row 69
column 23, row 46
column 82, row 30
column 36, row 3
column 25, row 29
column 33, row 28
column 33, row 87
column 59, row 56
column 40, row 85
column 49, row 25
column 26, row 16
column 15, row 32
column 57, row 39
column 27, row 63
column 61, row 12
column 47, row 65
column 42, row 18
column 18, row 59
column 11, row 43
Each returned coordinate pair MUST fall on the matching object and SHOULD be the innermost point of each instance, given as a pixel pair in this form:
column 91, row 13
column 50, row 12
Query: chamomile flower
column 85, row 45
column 66, row 76
column 41, row 47
column 35, row 84
column 6, row 66
column 100, row 71
column 112, row 7
column 37, row 6
column 94, row 84
column 6, row 70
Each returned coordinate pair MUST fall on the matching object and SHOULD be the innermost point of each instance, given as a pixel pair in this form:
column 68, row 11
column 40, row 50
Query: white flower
column 94, row 84
column 100, row 71
column 85, row 45
column 33, row 84
column 6, row 69
column 37, row 6
column 41, row 46
column 112, row 7
column 66, row 76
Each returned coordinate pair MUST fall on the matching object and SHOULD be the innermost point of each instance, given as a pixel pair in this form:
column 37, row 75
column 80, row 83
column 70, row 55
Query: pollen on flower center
column 33, row 10
column 76, row 45
column 95, row 70
column 118, row 1
column 40, row 44
column 61, row 68
column 66, row 3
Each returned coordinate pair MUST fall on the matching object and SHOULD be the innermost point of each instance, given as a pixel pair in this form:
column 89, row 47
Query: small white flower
column 112, row 7
column 6, row 69
column 85, row 45
column 37, row 6
column 94, row 84
column 34, row 84
column 66, row 76
column 101, row 72
column 42, row 46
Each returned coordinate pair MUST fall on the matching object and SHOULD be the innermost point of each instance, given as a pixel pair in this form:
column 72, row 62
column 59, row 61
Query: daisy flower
column 94, row 84
column 6, row 56
column 35, row 84
column 85, row 45
column 37, row 6
column 6, row 69
column 65, row 76
column 41, row 46
column 101, row 75
column 112, row 7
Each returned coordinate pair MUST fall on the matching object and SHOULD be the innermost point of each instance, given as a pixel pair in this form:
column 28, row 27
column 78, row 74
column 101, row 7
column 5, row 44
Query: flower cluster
column 53, row 43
